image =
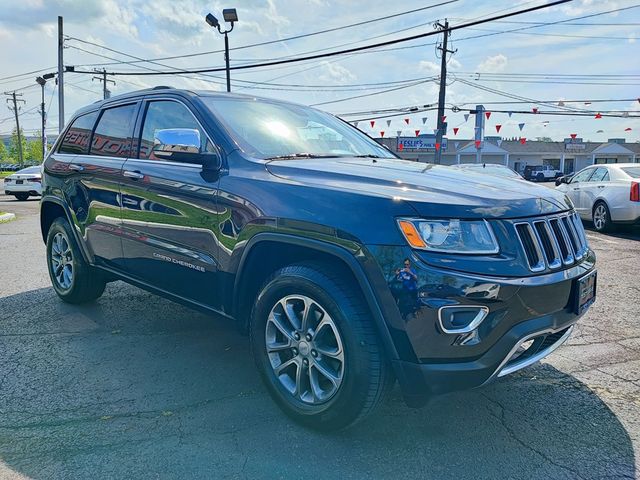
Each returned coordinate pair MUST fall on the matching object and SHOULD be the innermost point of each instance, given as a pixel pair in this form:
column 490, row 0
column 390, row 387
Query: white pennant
column 355, row 124
column 456, row 144
column 510, row 113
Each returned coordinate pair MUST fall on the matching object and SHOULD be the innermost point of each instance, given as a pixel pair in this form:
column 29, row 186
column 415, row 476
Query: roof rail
column 160, row 87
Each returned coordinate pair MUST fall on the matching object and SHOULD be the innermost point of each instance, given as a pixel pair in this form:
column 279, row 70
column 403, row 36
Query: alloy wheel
column 600, row 217
column 62, row 260
column 305, row 349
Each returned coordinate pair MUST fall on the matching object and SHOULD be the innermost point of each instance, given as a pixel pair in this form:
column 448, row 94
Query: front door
column 574, row 190
column 169, row 211
column 95, row 193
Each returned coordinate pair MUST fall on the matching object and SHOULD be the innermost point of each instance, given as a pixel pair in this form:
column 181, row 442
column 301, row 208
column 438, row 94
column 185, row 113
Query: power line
column 295, row 37
column 350, row 50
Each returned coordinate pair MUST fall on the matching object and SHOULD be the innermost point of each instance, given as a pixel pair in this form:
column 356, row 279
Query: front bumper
column 431, row 361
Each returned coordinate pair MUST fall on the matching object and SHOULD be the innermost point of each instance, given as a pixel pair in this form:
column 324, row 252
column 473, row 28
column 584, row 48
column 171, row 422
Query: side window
column 163, row 114
column 600, row 175
column 76, row 138
column 582, row 176
column 112, row 137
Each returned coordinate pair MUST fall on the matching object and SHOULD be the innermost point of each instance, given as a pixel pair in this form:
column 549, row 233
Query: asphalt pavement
column 135, row 386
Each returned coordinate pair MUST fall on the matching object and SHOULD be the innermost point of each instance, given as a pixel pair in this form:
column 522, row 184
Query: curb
column 7, row 217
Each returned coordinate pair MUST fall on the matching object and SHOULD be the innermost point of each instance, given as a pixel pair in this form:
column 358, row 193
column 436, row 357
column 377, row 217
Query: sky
column 579, row 60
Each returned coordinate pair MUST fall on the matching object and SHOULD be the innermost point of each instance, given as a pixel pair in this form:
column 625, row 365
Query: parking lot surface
column 134, row 386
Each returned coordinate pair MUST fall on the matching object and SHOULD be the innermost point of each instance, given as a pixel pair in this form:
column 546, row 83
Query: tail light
column 35, row 179
column 634, row 195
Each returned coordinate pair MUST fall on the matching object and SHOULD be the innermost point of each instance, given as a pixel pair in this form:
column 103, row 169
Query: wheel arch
column 251, row 274
column 52, row 208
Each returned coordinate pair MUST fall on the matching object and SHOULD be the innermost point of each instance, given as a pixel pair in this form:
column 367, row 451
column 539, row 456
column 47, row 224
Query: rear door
column 95, row 196
column 169, row 210
column 593, row 188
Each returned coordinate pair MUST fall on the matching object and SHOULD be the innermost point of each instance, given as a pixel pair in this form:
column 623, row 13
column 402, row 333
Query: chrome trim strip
column 503, row 370
column 475, row 323
column 557, row 257
column 565, row 235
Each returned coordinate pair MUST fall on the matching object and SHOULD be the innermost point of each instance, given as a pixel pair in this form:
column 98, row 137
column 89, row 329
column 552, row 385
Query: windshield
column 266, row 130
column 632, row 171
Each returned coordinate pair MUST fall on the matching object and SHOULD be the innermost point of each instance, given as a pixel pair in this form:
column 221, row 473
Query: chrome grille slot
column 552, row 241
column 530, row 243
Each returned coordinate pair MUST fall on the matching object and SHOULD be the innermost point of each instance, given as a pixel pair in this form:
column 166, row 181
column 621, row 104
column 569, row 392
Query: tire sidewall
column 607, row 217
column 346, row 401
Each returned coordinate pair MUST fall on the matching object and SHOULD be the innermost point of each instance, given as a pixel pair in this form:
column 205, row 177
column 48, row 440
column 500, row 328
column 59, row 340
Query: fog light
column 457, row 319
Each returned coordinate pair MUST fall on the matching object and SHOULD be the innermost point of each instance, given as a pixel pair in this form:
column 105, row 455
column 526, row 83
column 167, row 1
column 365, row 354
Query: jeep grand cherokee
column 349, row 267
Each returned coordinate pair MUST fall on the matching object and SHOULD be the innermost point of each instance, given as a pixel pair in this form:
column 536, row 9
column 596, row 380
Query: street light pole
column 42, row 81
column 230, row 15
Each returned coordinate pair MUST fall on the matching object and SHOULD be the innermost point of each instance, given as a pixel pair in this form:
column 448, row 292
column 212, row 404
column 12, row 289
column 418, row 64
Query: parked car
column 24, row 183
column 490, row 169
column 349, row 267
column 541, row 173
column 605, row 194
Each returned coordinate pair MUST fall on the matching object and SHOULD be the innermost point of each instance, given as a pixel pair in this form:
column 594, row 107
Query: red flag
column 437, row 146
column 382, row 134
column 487, row 114
column 535, row 110
column 455, row 130
column 498, row 127
column 406, row 120
column 628, row 129
column 417, row 132
column 478, row 142
column 444, row 117
column 400, row 147
column 574, row 135
column 372, row 122
column 523, row 140
column 598, row 115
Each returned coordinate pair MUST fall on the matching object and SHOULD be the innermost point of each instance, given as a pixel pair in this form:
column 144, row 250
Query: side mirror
column 183, row 145
column 563, row 179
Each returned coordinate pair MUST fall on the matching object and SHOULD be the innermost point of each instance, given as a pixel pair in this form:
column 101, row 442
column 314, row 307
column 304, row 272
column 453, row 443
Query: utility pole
column 442, row 126
column 479, row 131
column 103, row 78
column 60, row 78
column 13, row 98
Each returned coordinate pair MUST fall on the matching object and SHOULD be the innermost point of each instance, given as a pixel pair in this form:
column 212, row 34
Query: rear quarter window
column 76, row 138
column 633, row 172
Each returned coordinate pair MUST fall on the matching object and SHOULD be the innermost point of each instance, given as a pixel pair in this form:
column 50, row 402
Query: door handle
column 133, row 175
column 576, row 188
column 600, row 186
column 76, row 167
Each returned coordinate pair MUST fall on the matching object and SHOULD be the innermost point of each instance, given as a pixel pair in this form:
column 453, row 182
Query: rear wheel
column 601, row 217
column 316, row 348
column 22, row 196
column 540, row 177
column 73, row 279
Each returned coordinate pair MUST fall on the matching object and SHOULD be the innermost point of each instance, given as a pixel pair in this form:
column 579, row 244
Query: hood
column 432, row 190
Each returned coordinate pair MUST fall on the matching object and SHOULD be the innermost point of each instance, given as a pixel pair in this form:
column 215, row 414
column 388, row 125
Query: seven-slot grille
column 552, row 241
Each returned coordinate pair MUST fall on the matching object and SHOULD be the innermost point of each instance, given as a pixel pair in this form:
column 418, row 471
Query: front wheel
column 72, row 278
column 601, row 217
column 316, row 348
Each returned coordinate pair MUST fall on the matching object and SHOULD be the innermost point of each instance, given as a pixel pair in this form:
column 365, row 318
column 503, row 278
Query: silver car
column 24, row 183
column 605, row 194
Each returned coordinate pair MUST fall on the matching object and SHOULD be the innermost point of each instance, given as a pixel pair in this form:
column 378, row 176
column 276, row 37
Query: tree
column 4, row 154
column 544, row 139
column 14, row 152
column 33, row 152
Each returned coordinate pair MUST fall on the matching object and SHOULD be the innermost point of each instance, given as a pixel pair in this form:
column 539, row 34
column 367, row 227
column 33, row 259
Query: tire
column 22, row 196
column 601, row 217
column 72, row 278
column 540, row 177
column 361, row 379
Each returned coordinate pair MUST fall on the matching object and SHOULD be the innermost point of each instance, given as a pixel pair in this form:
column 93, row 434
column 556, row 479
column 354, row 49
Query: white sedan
column 605, row 194
column 24, row 183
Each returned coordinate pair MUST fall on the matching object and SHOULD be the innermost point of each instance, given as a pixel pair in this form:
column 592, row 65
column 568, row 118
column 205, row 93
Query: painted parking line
column 600, row 239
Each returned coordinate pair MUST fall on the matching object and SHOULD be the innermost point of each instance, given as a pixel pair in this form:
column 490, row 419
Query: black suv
column 349, row 267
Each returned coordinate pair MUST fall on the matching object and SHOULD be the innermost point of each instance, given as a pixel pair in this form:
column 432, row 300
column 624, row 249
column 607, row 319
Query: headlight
column 450, row 236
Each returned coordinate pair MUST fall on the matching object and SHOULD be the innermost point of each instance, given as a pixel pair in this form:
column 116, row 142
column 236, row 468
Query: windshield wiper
column 368, row 155
column 299, row 155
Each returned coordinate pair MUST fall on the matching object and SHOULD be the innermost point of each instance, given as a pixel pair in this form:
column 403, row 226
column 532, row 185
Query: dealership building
column 570, row 155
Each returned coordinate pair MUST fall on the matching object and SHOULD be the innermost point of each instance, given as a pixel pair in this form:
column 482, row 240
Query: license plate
column 19, row 182
column 585, row 292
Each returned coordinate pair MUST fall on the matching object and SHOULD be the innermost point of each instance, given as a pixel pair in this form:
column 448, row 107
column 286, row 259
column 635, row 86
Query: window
column 632, row 171
column 76, row 138
column 266, row 129
column 112, row 137
column 600, row 175
column 582, row 176
column 164, row 114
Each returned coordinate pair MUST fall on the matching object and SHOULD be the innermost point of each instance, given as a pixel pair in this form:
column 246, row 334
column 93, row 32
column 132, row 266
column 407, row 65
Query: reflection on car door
column 169, row 211
column 95, row 197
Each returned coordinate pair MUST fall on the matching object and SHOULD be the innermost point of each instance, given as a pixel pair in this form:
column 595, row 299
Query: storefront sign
column 417, row 144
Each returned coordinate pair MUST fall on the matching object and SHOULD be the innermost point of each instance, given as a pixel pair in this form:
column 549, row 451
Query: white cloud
column 335, row 74
column 493, row 64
